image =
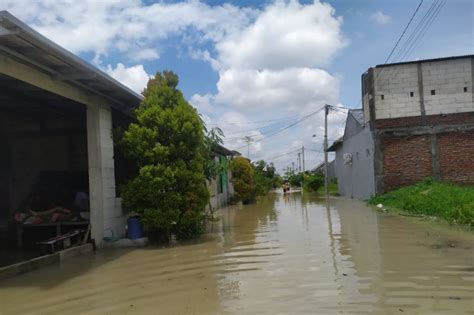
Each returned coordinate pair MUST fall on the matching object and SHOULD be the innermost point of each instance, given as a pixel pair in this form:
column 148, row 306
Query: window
column 412, row 94
column 433, row 92
column 382, row 96
column 465, row 89
column 367, row 151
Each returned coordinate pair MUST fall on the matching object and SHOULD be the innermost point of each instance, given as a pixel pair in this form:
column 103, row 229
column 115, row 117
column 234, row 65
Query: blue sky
column 246, row 61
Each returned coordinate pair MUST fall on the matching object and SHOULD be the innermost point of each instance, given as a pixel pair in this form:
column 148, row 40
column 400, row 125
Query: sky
column 262, row 69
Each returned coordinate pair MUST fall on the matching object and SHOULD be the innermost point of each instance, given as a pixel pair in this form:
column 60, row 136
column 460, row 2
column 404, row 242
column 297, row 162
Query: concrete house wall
column 219, row 199
column 355, row 178
column 421, row 115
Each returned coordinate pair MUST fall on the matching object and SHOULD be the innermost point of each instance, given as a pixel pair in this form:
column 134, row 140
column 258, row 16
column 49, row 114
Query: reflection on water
column 286, row 254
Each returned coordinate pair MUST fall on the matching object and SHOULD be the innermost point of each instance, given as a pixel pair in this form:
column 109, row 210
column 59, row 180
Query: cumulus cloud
column 144, row 54
column 285, row 34
column 381, row 18
column 260, row 90
column 272, row 61
column 102, row 27
column 134, row 77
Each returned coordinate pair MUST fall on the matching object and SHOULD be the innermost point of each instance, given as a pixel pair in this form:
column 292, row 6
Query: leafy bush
column 296, row 179
column 448, row 201
column 265, row 177
column 313, row 182
column 243, row 180
column 167, row 143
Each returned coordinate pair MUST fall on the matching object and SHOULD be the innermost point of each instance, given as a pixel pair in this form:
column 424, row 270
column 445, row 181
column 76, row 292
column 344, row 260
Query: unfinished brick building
column 421, row 118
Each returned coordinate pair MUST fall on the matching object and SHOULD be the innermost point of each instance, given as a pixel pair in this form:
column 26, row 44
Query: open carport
column 57, row 113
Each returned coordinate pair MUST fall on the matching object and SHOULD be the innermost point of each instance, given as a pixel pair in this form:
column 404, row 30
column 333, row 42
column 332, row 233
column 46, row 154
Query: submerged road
column 283, row 255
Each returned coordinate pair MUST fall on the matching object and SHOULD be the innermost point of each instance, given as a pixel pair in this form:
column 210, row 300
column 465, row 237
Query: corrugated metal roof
column 335, row 145
column 21, row 42
column 358, row 114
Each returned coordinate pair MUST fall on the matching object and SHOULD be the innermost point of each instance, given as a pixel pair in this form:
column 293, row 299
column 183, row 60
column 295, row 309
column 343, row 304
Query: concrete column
column 106, row 215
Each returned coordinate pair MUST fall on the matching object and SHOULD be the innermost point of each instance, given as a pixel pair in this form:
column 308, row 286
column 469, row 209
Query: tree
column 167, row 143
column 243, row 180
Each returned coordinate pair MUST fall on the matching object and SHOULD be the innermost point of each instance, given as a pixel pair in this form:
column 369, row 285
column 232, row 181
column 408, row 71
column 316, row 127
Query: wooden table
column 20, row 228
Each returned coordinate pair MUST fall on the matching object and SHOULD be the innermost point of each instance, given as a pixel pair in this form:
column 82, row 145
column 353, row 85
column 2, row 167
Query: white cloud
column 270, row 60
column 295, row 89
column 381, row 18
column 285, row 34
column 101, row 27
column 134, row 77
column 144, row 54
column 202, row 102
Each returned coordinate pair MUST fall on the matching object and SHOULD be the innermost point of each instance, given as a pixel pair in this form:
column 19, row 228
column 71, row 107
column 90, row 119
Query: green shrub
column 448, row 201
column 313, row 182
column 243, row 180
column 296, row 180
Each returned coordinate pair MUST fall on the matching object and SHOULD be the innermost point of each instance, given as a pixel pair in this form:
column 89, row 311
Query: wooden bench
column 64, row 241
column 20, row 227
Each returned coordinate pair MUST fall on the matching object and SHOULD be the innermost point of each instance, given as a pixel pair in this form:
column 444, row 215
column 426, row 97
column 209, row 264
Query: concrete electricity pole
column 299, row 161
column 248, row 140
column 293, row 167
column 302, row 149
column 326, row 112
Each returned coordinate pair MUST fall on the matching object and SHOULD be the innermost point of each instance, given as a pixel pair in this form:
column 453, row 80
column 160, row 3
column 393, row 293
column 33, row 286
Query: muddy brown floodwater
column 283, row 255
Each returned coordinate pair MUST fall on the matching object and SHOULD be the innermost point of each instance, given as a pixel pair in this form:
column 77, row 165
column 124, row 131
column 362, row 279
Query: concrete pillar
column 106, row 214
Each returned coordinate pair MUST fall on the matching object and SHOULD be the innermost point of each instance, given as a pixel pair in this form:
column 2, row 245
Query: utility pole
column 299, row 161
column 248, row 140
column 293, row 167
column 302, row 149
column 326, row 112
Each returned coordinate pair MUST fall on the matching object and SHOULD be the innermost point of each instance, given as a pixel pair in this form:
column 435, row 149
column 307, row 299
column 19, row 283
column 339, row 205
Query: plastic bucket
column 134, row 228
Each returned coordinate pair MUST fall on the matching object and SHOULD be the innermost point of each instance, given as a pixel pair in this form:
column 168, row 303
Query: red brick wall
column 456, row 156
column 447, row 119
column 406, row 160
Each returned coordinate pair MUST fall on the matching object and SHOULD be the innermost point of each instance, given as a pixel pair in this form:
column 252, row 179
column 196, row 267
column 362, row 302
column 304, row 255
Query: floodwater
column 283, row 255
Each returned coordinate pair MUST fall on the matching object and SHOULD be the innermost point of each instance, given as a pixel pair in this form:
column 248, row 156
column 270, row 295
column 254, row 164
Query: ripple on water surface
column 285, row 254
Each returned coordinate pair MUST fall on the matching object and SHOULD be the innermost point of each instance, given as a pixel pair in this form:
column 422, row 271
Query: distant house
column 417, row 121
column 321, row 170
column 354, row 158
column 221, row 188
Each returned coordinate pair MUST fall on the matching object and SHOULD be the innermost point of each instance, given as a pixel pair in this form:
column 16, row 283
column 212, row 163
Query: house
column 320, row 169
column 418, row 116
column 57, row 113
column 354, row 158
column 221, row 188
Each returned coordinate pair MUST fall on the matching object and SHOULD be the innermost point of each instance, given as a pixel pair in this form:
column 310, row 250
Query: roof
column 425, row 60
column 22, row 42
column 335, row 145
column 358, row 114
column 219, row 149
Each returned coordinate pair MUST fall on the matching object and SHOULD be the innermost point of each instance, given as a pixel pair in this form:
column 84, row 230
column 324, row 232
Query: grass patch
column 332, row 189
column 450, row 202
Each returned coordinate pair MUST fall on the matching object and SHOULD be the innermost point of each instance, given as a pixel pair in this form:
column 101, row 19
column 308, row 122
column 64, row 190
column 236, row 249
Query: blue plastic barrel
column 134, row 228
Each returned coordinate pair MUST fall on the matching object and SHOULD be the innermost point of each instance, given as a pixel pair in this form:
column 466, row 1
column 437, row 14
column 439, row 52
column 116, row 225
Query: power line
column 414, row 32
column 265, row 136
column 419, row 31
column 404, row 31
column 259, row 121
column 423, row 31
